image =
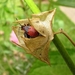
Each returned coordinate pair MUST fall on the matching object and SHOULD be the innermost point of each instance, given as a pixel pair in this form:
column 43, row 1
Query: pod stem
column 61, row 31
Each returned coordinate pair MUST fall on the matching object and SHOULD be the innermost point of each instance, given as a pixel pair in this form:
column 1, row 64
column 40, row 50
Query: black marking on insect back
column 26, row 35
column 25, row 29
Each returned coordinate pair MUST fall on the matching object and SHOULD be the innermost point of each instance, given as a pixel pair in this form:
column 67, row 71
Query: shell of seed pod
column 39, row 45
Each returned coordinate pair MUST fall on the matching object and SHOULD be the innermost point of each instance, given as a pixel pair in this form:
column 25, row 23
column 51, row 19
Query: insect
column 29, row 31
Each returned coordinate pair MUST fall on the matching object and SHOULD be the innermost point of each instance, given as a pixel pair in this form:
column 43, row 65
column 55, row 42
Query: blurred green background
column 13, row 59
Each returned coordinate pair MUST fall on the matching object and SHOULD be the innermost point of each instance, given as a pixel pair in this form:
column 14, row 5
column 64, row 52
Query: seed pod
column 39, row 45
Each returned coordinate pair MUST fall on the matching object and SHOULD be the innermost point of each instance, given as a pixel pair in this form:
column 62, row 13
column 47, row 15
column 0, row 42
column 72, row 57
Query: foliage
column 14, row 60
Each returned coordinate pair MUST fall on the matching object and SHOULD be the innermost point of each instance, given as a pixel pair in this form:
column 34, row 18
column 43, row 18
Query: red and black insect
column 29, row 31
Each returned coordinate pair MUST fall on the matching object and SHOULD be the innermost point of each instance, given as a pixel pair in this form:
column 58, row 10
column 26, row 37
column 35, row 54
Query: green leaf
column 8, row 10
column 3, row 1
column 69, row 3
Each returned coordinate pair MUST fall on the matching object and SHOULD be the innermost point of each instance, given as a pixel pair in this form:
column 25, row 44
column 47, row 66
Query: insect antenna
column 18, row 22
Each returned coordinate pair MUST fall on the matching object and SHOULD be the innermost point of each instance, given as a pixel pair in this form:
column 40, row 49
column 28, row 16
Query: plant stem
column 61, row 31
column 32, row 6
column 64, row 54
column 56, row 40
